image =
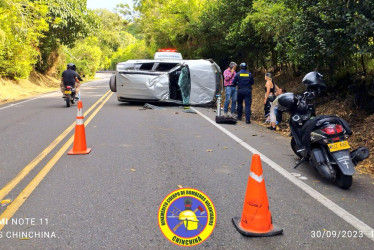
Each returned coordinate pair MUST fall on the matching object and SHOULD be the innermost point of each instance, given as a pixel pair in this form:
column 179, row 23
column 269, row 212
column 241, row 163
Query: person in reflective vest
column 244, row 80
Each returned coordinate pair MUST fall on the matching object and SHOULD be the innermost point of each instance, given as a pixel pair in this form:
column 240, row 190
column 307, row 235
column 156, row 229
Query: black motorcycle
column 320, row 140
column 69, row 95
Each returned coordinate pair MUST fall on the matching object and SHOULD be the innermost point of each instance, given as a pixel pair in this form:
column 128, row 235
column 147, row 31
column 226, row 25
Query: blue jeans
column 230, row 92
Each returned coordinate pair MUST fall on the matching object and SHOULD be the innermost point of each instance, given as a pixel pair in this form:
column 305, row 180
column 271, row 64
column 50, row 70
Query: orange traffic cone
column 256, row 217
column 79, row 146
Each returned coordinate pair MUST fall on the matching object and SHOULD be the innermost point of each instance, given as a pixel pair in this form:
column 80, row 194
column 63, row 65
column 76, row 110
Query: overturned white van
column 188, row 82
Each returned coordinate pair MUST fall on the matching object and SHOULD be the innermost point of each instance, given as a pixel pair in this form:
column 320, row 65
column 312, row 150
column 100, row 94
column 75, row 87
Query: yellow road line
column 29, row 167
column 22, row 197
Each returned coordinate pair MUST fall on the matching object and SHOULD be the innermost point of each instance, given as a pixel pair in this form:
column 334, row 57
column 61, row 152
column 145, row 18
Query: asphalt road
column 110, row 198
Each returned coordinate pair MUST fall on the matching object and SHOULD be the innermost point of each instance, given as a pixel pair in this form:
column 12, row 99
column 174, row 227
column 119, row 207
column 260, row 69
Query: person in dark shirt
column 70, row 78
column 244, row 80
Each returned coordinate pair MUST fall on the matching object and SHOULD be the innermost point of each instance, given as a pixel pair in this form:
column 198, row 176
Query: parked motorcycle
column 320, row 140
column 69, row 95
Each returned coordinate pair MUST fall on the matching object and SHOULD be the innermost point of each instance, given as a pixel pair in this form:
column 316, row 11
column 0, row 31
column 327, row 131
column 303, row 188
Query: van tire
column 112, row 83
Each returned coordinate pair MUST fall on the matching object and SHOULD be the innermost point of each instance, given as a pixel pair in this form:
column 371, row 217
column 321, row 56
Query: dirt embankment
column 361, row 123
column 12, row 90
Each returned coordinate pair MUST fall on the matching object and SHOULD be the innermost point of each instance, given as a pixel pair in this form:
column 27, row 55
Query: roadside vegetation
column 286, row 37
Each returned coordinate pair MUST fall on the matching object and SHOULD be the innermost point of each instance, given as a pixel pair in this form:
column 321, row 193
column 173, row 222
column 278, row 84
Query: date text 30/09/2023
column 320, row 234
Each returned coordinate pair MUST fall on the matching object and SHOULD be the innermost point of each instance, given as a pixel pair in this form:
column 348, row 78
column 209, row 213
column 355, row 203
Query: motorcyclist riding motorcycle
column 70, row 78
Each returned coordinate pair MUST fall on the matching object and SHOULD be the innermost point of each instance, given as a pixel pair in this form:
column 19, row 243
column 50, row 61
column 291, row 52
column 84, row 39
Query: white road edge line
column 339, row 211
column 28, row 100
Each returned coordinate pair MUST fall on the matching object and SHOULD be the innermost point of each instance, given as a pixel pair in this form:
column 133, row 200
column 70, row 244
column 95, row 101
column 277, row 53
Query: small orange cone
column 256, row 217
column 79, row 146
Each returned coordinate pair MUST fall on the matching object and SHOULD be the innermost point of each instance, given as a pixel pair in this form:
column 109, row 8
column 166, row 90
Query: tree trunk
column 274, row 60
column 264, row 63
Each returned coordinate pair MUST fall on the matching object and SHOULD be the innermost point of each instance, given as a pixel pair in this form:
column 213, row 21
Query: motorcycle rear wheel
column 343, row 181
column 67, row 101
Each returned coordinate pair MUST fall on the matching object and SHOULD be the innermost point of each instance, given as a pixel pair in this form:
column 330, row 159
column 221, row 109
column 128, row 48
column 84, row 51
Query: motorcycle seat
column 328, row 119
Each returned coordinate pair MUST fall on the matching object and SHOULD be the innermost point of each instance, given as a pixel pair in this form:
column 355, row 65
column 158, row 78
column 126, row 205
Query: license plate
column 67, row 92
column 337, row 146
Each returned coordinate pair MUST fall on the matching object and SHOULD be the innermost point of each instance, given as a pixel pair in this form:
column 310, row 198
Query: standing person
column 230, row 89
column 270, row 90
column 244, row 80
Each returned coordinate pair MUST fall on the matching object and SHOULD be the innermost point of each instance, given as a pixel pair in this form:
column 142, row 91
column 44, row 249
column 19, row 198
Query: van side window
column 164, row 67
column 146, row 66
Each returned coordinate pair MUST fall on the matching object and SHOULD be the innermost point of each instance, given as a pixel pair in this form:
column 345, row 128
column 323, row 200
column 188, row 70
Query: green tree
column 136, row 50
column 85, row 55
column 170, row 23
column 223, row 36
column 327, row 35
column 69, row 20
column 112, row 34
column 22, row 24
column 272, row 20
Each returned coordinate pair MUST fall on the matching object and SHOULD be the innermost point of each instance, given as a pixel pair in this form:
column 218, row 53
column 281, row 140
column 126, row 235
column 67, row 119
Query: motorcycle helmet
column 243, row 65
column 314, row 80
column 72, row 66
column 285, row 101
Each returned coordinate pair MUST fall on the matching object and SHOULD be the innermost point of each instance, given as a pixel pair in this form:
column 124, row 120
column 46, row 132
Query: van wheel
column 112, row 83
column 343, row 181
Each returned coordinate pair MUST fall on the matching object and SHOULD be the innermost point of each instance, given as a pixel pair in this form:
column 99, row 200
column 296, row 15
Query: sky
column 106, row 4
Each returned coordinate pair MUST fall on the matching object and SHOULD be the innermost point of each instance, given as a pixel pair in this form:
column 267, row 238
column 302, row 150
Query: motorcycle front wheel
column 294, row 149
column 67, row 99
column 343, row 181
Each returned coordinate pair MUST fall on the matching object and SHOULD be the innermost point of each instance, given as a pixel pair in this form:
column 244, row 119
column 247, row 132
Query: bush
column 85, row 55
